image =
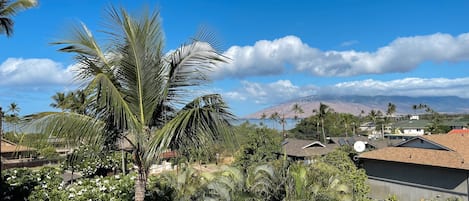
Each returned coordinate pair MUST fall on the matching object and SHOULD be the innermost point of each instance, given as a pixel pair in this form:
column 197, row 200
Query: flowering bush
column 90, row 161
column 117, row 188
column 19, row 183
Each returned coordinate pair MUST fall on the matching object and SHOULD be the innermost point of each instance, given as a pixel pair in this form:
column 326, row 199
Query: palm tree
column 60, row 101
column 8, row 10
column 77, row 101
column 324, row 110
column 13, row 118
column 283, row 122
column 263, row 117
column 391, row 109
column 274, row 116
column 14, row 109
column 144, row 90
column 297, row 110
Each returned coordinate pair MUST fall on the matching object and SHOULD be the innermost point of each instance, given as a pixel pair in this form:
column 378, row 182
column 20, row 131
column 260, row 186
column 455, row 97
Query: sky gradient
column 279, row 50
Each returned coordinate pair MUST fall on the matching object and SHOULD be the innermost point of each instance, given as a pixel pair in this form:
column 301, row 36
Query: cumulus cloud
column 18, row 72
column 284, row 90
column 403, row 87
column 268, row 93
column 401, row 55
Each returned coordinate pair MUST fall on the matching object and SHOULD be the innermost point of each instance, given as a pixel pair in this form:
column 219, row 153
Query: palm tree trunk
column 323, row 133
column 140, row 184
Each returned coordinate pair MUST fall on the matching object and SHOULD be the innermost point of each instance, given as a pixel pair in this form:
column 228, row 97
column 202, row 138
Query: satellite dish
column 359, row 146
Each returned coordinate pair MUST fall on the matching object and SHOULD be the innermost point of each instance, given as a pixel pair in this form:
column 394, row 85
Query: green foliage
column 190, row 184
column 92, row 161
column 355, row 178
column 48, row 152
column 258, row 145
column 19, row 183
column 335, row 124
column 118, row 187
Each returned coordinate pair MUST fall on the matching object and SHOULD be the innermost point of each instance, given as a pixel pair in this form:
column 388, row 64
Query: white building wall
column 413, row 131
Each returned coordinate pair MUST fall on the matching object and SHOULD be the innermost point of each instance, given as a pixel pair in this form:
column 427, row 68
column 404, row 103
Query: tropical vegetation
column 136, row 89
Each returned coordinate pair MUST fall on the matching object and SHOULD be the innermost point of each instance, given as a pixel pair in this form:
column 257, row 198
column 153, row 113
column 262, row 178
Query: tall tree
column 263, row 117
column 274, row 117
column 13, row 117
column 60, row 101
column 144, row 90
column 391, row 109
column 14, row 109
column 323, row 111
column 9, row 9
column 297, row 109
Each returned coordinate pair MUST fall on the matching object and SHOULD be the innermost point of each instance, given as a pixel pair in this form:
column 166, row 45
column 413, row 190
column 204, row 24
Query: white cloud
column 18, row 72
column 401, row 55
column 284, row 90
column 269, row 93
column 403, row 87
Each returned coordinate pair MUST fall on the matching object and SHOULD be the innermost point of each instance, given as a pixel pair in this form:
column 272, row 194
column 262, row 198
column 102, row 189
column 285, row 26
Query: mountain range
column 355, row 104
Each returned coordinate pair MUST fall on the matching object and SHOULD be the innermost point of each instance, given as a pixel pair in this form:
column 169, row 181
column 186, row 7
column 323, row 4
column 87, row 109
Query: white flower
column 80, row 182
column 71, row 195
column 39, row 179
column 117, row 177
column 103, row 188
column 15, row 171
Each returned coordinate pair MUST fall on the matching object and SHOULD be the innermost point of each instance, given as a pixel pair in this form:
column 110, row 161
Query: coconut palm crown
column 145, row 93
column 9, row 9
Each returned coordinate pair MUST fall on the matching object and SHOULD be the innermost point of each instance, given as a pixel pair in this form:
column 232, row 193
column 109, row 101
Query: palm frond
column 140, row 69
column 198, row 124
column 91, row 58
column 17, row 6
column 74, row 127
column 187, row 67
column 109, row 99
column 6, row 25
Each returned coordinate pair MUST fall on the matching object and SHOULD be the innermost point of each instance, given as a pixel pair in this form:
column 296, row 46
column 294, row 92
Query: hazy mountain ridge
column 355, row 104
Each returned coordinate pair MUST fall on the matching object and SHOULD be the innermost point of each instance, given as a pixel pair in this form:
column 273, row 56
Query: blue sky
column 280, row 49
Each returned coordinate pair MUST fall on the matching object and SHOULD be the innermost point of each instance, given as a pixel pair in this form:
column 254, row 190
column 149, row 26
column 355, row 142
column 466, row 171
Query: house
column 306, row 150
column 411, row 127
column 463, row 131
column 10, row 151
column 422, row 168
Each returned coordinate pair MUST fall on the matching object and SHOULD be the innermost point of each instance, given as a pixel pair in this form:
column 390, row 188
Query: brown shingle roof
column 10, row 147
column 459, row 131
column 457, row 158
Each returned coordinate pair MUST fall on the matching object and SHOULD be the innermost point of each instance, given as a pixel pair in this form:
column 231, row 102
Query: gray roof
column 304, row 148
